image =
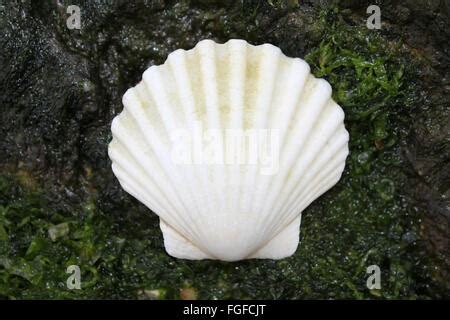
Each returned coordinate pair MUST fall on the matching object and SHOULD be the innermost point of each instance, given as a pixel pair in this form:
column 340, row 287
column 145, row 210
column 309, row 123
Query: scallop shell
column 216, row 199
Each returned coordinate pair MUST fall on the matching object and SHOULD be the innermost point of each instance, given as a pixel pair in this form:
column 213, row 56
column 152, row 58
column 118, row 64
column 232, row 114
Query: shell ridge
column 193, row 58
column 177, row 67
column 288, row 104
column 127, row 184
column 264, row 103
column 129, row 147
column 296, row 144
column 327, row 181
column 321, row 132
column 208, row 69
column 338, row 163
column 238, row 53
column 262, row 182
column 165, row 165
column 303, row 194
column 319, row 163
column 319, row 190
column 296, row 84
column 120, row 164
column 310, row 113
column 145, row 112
column 153, row 81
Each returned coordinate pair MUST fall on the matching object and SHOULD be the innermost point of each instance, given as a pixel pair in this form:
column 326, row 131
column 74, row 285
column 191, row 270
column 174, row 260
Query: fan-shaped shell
column 222, row 206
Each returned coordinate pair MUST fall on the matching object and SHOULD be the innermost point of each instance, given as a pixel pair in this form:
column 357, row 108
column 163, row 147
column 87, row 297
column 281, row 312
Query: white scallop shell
column 226, row 208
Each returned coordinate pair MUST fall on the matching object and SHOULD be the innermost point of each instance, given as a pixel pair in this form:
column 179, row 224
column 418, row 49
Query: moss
column 367, row 218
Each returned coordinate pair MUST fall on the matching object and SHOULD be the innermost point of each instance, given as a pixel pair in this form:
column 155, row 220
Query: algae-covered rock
column 60, row 204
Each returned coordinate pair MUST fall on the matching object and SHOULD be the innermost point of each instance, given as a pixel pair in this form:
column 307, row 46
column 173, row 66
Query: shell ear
column 178, row 246
column 284, row 244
